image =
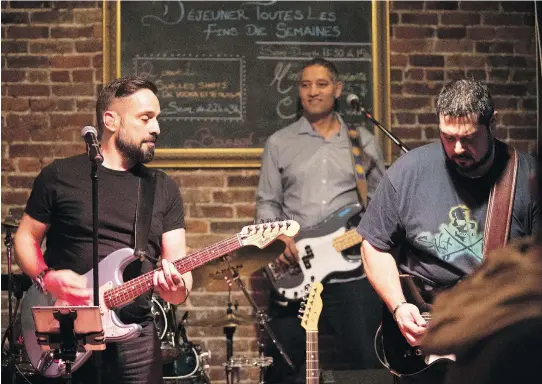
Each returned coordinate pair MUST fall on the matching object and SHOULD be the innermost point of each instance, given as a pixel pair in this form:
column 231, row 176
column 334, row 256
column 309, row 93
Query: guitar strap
column 145, row 204
column 358, row 154
column 500, row 204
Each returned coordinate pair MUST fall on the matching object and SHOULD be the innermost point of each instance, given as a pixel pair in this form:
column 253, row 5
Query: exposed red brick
column 248, row 211
column 30, row 4
column 211, row 211
column 196, row 195
column 43, row 105
column 203, row 180
column 29, row 165
column 481, row 33
column 507, row 61
column 14, row 197
column 408, row 132
column 514, row 33
column 455, row 74
column 396, row 75
column 452, row 33
column 26, row 32
column 407, row 5
column 27, row 61
column 15, row 46
column 73, row 90
column 442, row 5
column 93, row 45
column 14, row 17
column 86, row 105
column 477, row 74
column 460, row 18
column 403, row 118
column 13, row 75
column 52, row 17
column 14, row 104
column 414, row 74
column 473, row 61
column 503, row 103
column 28, row 90
column 524, row 119
column 227, row 226
column 71, row 120
column 412, row 32
column 480, row 5
column 70, row 32
column 54, row 47
column 87, row 16
column 60, row 76
column 71, row 61
column 400, row 102
column 522, row 133
column 411, row 45
column 434, row 74
column 427, row 60
column 458, row 45
column 233, row 196
column 196, row 226
column 97, row 61
column 428, row 118
column 419, row 18
column 398, row 60
column 242, row 181
column 83, row 76
column 66, row 150
column 20, row 181
column 502, row 19
column 432, row 88
column 38, row 76
column 494, row 47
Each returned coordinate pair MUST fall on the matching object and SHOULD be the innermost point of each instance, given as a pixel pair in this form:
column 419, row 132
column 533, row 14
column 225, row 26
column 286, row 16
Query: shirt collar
column 306, row 128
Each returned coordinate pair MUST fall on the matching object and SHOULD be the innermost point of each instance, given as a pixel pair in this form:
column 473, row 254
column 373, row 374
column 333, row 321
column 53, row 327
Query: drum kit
column 184, row 362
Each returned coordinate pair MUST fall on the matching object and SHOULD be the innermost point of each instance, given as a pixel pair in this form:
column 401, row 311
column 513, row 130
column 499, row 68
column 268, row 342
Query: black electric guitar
column 329, row 248
column 392, row 348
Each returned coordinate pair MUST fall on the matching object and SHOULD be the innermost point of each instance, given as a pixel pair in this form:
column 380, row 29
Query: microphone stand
column 95, row 258
column 393, row 138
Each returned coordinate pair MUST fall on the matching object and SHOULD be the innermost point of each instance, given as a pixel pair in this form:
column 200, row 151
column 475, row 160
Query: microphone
column 353, row 101
column 89, row 134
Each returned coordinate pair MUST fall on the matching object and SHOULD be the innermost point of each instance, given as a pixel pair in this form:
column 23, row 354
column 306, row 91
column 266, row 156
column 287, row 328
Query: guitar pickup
column 306, row 261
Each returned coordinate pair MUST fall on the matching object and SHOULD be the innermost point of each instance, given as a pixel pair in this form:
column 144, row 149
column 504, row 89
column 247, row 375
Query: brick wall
column 51, row 73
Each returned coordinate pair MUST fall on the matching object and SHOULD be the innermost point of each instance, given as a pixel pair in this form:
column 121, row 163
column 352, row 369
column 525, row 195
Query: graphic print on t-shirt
column 459, row 237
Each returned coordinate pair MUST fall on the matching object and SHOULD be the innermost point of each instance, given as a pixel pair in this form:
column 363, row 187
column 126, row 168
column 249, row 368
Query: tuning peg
column 300, row 317
column 303, row 304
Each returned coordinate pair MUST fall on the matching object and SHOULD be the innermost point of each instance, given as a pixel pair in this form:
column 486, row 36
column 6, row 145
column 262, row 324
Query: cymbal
column 245, row 261
column 229, row 320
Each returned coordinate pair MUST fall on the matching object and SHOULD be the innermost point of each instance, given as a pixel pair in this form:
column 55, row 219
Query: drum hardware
column 231, row 321
column 13, row 360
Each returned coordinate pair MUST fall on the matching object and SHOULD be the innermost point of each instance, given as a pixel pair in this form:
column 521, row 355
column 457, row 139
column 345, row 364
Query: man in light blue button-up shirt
column 307, row 174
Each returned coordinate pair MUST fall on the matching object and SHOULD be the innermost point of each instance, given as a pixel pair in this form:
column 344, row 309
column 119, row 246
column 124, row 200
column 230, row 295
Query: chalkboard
column 226, row 71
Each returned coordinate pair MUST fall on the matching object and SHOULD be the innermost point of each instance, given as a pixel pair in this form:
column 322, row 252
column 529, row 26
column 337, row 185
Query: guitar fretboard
column 347, row 240
column 128, row 291
column 312, row 370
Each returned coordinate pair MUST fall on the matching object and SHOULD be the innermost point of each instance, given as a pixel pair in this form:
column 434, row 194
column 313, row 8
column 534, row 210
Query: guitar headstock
column 261, row 235
column 313, row 307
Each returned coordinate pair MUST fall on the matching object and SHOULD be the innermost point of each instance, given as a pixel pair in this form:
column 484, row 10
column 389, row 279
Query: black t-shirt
column 62, row 197
column 433, row 218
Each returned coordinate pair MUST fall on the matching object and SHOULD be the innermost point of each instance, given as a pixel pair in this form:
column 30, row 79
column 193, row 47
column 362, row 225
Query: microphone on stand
column 353, row 101
column 89, row 134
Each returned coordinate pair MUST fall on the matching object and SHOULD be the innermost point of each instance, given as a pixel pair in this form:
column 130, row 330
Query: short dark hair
column 466, row 98
column 332, row 69
column 333, row 73
column 121, row 87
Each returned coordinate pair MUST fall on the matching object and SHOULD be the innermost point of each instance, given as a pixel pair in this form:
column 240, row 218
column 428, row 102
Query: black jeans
column 138, row 361
column 353, row 312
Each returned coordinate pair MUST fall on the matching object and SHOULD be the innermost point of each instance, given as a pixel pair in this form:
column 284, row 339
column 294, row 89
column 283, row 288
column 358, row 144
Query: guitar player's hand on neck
column 411, row 323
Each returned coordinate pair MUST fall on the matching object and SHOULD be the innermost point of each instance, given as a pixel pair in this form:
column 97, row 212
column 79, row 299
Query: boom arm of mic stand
column 392, row 137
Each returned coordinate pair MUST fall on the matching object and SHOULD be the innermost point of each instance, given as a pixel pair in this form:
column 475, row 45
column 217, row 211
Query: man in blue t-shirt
column 427, row 216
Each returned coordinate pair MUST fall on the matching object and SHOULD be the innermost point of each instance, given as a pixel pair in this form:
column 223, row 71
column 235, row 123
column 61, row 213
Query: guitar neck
column 313, row 370
column 347, row 240
column 128, row 291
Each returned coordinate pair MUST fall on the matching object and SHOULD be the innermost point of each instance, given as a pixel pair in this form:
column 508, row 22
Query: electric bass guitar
column 309, row 321
column 329, row 248
column 115, row 293
column 392, row 348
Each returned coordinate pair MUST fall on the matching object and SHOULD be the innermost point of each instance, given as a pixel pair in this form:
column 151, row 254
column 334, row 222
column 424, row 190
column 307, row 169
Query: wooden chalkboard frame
column 250, row 157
